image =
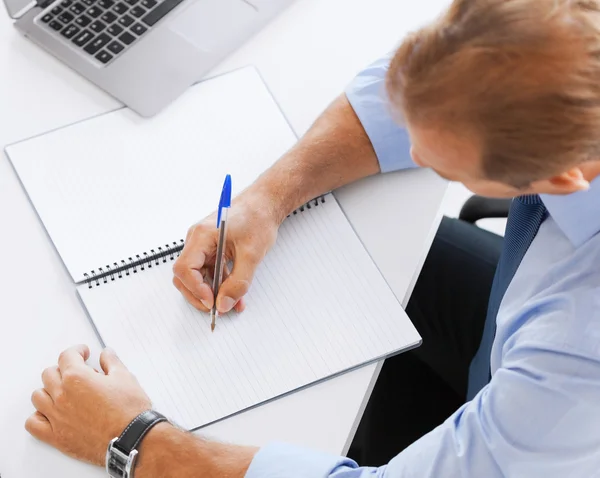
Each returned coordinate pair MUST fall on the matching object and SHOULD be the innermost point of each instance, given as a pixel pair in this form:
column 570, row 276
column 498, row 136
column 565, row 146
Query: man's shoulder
column 565, row 317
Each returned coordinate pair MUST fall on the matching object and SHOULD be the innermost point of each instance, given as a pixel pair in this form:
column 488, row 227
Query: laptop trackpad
column 211, row 24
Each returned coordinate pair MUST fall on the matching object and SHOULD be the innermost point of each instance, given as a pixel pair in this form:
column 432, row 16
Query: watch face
column 117, row 462
column 116, row 467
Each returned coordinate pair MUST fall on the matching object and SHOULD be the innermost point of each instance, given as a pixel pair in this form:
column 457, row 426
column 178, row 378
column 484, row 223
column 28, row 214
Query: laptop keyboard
column 104, row 29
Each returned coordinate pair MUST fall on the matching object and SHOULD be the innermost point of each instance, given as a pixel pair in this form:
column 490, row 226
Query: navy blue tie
column 524, row 220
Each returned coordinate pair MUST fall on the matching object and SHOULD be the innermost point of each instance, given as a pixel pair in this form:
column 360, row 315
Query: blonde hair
column 522, row 75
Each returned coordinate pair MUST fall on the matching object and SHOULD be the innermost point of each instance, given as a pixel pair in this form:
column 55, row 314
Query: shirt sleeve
column 539, row 416
column 366, row 93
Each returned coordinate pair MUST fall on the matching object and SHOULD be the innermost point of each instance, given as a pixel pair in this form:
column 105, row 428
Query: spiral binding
column 309, row 205
column 156, row 256
column 131, row 266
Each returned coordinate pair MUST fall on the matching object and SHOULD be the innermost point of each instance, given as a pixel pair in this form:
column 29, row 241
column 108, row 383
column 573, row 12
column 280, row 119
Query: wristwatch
column 121, row 454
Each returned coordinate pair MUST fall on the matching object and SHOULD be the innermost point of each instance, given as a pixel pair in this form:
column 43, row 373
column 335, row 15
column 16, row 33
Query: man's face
column 455, row 159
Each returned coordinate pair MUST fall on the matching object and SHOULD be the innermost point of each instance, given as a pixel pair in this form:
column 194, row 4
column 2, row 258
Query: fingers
column 51, row 379
column 110, row 362
column 73, row 357
column 42, row 401
column 237, row 284
column 188, row 295
column 240, row 305
column 188, row 267
column 39, row 426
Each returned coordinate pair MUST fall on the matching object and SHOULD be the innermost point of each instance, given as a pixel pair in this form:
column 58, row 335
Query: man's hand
column 79, row 410
column 251, row 231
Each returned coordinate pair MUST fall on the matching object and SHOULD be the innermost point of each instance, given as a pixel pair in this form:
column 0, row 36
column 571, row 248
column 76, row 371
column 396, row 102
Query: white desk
column 306, row 56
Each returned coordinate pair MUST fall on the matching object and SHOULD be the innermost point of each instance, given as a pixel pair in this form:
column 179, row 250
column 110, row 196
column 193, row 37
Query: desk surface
column 306, row 56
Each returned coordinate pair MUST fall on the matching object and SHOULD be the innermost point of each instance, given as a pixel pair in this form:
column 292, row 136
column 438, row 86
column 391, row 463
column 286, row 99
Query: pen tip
column 212, row 327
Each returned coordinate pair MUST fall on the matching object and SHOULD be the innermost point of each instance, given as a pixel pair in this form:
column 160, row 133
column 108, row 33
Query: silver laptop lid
column 17, row 8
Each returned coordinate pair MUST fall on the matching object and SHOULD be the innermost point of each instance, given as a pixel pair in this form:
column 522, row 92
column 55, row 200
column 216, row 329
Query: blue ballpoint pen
column 224, row 205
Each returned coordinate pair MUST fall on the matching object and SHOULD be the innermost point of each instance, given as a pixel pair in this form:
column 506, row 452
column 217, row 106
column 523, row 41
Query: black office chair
column 479, row 207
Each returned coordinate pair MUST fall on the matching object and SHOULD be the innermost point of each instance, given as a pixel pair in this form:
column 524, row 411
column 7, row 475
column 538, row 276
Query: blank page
column 318, row 307
column 117, row 185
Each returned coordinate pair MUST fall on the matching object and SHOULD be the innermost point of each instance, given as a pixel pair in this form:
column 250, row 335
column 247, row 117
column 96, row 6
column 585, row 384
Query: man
column 503, row 96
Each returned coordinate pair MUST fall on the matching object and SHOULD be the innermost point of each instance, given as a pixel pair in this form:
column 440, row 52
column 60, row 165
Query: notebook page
column 318, row 307
column 114, row 186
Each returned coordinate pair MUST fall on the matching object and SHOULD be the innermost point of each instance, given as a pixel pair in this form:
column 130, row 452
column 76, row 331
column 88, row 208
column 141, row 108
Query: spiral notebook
column 116, row 195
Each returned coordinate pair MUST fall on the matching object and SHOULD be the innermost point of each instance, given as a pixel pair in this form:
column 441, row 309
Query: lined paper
column 318, row 307
column 117, row 185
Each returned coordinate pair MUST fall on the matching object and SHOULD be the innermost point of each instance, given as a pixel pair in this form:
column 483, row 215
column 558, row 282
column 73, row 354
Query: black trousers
column 417, row 390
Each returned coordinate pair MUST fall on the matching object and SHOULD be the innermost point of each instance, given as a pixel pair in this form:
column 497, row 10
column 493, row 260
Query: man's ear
column 566, row 183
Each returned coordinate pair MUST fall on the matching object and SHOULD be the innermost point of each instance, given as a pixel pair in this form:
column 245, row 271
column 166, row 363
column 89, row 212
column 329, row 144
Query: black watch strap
column 119, row 456
column 137, row 429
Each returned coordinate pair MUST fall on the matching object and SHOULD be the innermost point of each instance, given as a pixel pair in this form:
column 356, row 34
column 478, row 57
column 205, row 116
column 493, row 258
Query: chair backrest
column 479, row 207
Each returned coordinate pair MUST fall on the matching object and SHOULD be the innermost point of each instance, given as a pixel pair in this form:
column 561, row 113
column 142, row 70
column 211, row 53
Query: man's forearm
column 335, row 151
column 169, row 452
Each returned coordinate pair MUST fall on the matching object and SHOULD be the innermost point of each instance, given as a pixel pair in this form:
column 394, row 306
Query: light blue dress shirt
column 540, row 414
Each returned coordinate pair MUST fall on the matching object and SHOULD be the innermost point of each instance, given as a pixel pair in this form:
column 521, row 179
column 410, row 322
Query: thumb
column 109, row 361
column 238, row 282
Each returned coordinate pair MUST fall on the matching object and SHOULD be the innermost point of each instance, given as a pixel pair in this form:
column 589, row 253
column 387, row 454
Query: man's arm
column 335, row 151
column 357, row 136
column 354, row 138
column 538, row 417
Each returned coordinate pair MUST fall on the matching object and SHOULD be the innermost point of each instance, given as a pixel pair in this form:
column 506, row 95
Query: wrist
column 153, row 459
column 284, row 187
column 123, row 450
column 266, row 197
column 168, row 451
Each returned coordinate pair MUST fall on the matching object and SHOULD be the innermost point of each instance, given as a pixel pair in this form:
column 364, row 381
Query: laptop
column 145, row 53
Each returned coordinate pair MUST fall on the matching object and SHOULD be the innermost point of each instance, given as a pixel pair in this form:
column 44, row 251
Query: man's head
column 504, row 95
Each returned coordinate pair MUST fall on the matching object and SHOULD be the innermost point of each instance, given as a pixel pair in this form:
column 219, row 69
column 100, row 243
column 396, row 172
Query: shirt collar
column 577, row 214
